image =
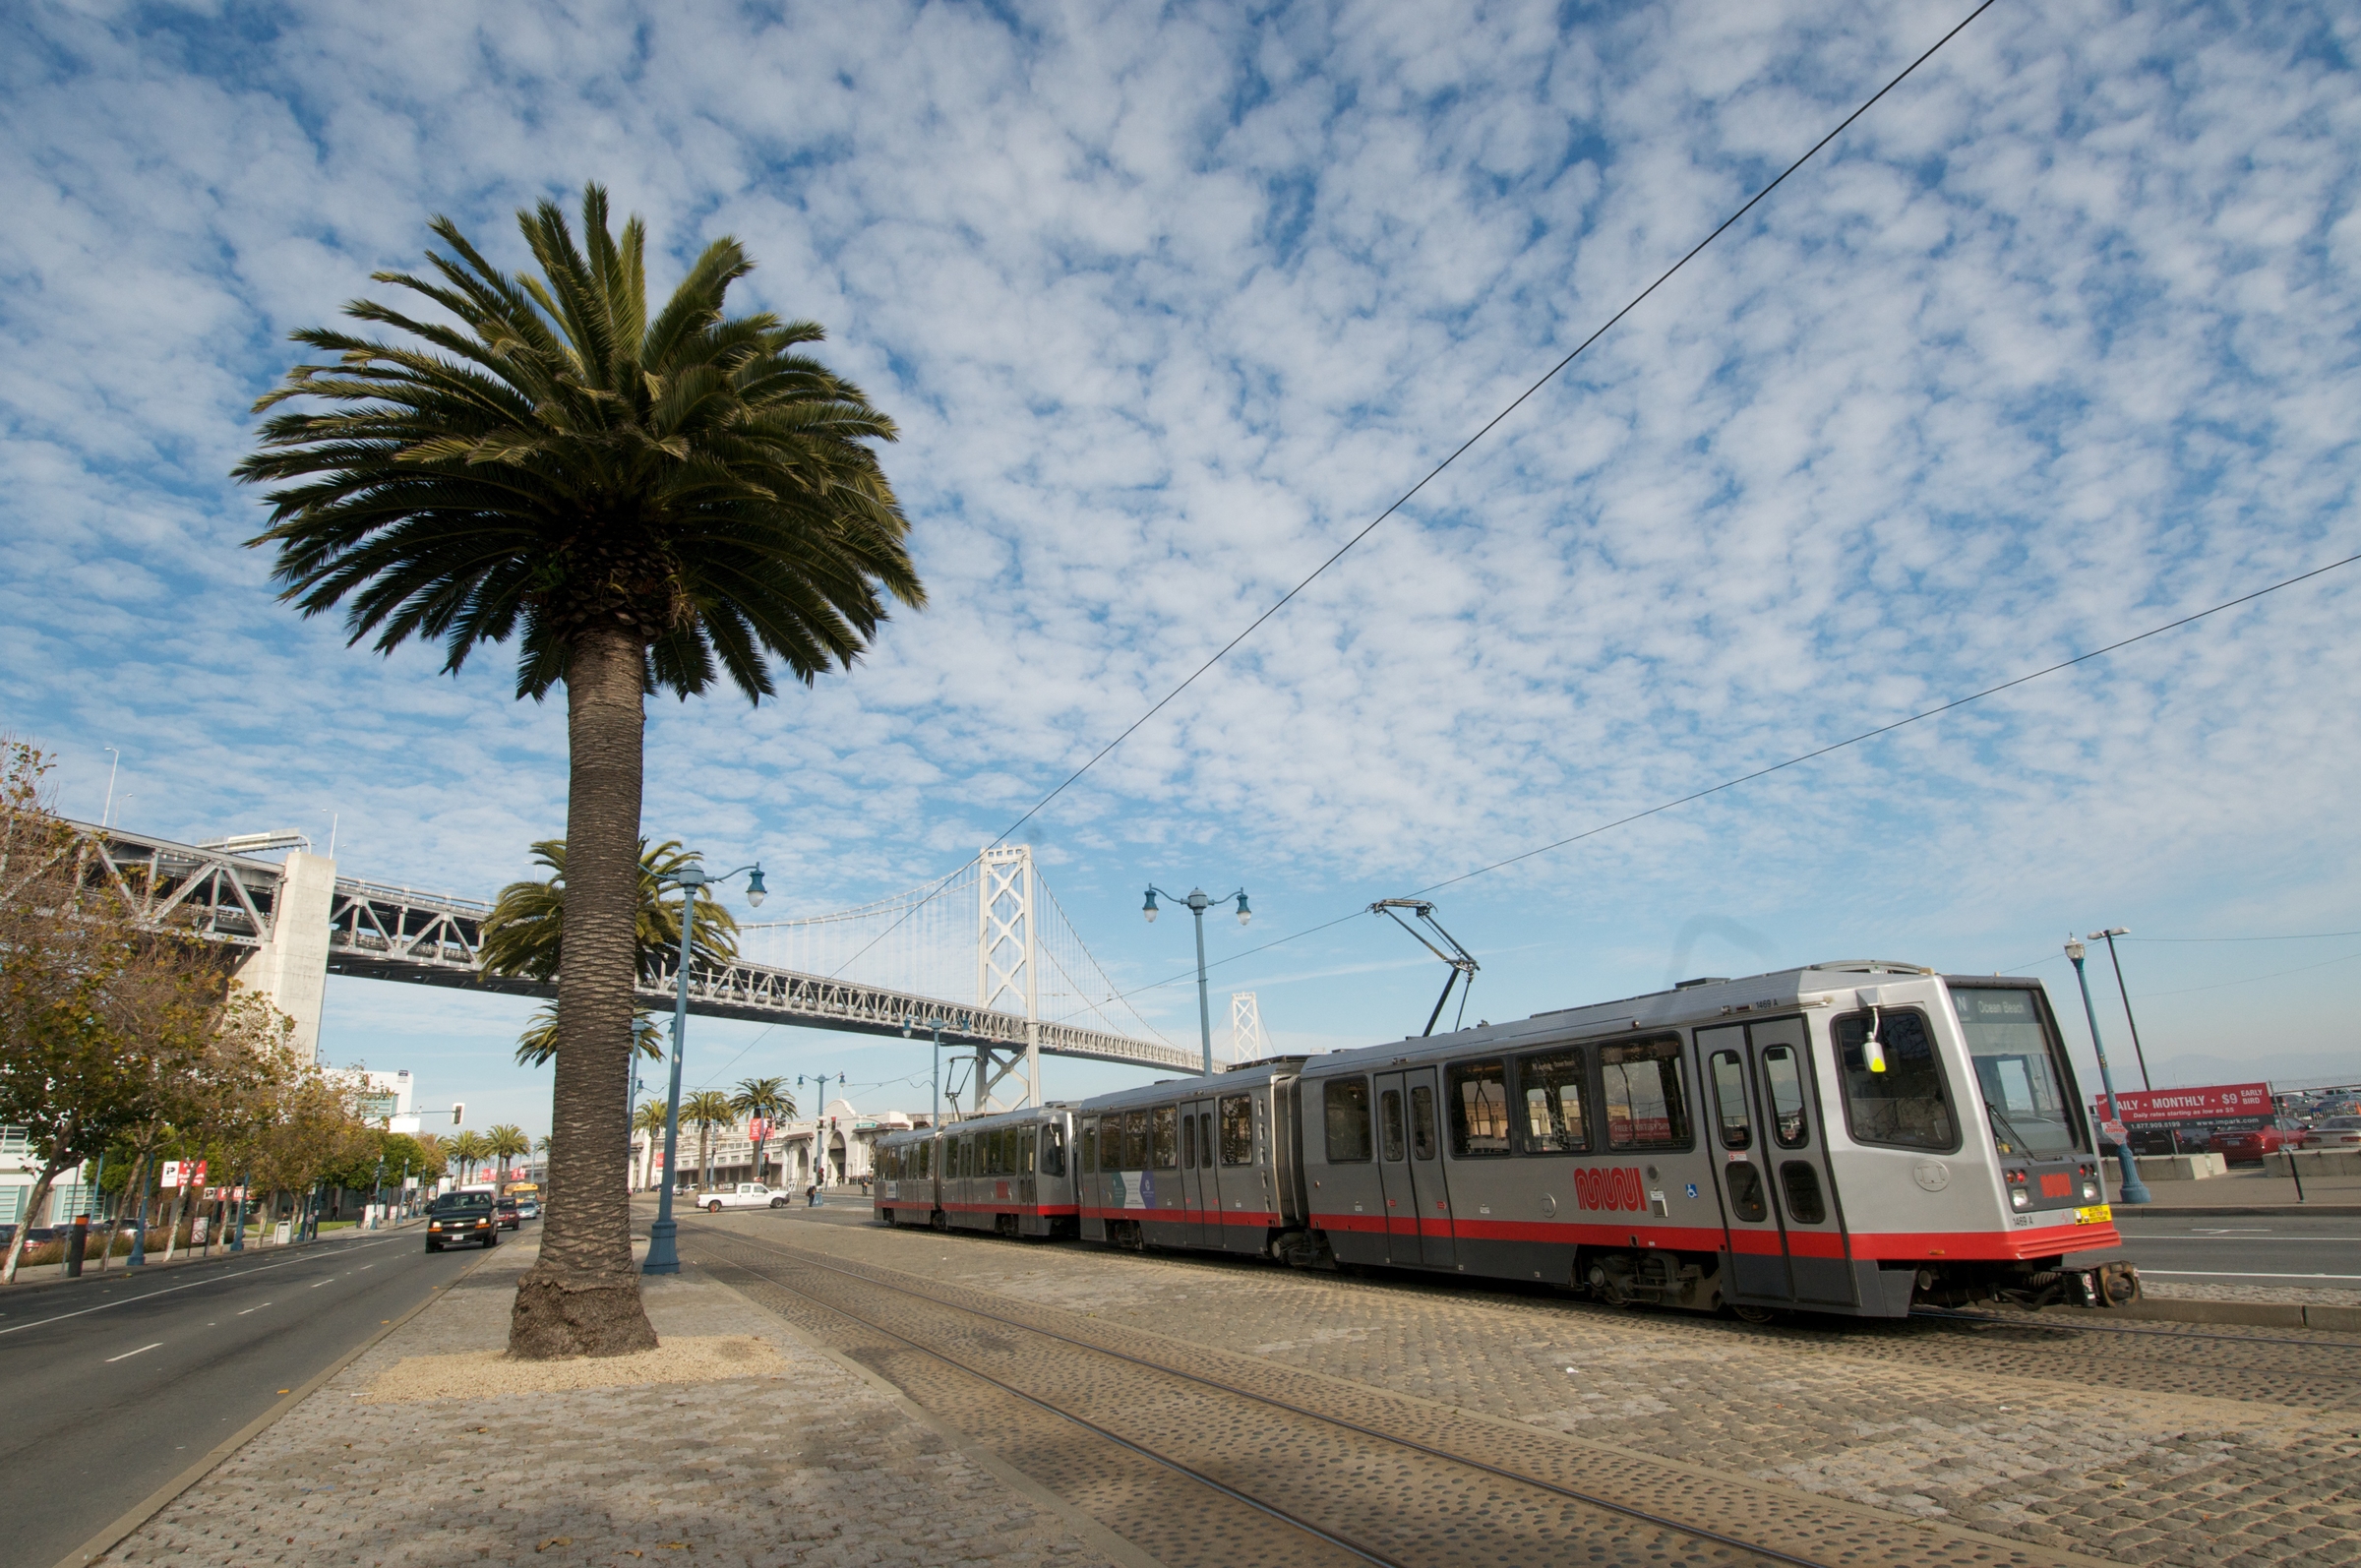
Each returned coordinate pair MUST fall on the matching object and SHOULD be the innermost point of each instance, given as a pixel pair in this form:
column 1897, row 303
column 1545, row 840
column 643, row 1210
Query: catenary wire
column 1797, row 760
column 1433, row 473
column 1489, row 425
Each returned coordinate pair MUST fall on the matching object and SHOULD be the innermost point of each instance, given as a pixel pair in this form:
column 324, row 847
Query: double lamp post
column 663, row 1255
column 1197, row 904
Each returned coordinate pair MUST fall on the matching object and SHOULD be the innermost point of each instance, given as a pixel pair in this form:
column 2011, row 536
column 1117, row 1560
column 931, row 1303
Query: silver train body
column 1851, row 1138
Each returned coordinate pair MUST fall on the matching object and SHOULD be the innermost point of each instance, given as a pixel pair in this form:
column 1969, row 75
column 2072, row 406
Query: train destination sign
column 2209, row 1103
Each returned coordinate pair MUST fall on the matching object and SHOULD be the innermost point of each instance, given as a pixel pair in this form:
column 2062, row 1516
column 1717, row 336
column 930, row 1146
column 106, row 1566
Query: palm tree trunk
column 582, row 1296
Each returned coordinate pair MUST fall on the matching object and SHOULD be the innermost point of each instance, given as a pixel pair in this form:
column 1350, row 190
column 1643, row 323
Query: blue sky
column 2057, row 343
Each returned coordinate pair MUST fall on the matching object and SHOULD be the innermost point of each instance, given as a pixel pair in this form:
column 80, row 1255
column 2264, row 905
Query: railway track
column 1195, row 1454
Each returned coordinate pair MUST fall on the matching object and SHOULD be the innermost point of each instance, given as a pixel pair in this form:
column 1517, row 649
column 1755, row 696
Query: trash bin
column 78, row 1243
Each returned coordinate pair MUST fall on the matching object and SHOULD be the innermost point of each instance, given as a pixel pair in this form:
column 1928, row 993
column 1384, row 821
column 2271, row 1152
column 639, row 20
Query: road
column 2309, row 1251
column 114, row 1387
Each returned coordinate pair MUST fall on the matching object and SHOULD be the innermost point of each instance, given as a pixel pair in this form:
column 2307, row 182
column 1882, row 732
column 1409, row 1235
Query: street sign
column 171, row 1175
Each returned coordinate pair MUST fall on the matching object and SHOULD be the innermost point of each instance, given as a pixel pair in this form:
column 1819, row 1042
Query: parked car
column 746, row 1195
column 2336, row 1132
column 2252, row 1145
column 509, row 1213
column 36, row 1236
column 460, row 1218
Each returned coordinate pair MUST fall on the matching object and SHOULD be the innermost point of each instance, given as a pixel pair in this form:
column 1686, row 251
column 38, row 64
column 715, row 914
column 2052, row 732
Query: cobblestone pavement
column 811, row 1464
column 2170, row 1445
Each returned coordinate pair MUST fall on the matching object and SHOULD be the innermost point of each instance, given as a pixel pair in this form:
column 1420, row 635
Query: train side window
column 1730, row 1100
column 1800, row 1184
column 1422, row 1140
column 1389, row 1123
column 1135, row 1141
column 1189, row 1143
column 1645, row 1105
column 1907, row 1104
column 1164, row 1145
column 1238, row 1129
column 1552, row 1087
column 1026, row 1150
column 1090, row 1147
column 1783, row 1086
column 1345, row 1103
column 1205, row 1139
column 1746, row 1190
column 1477, row 1092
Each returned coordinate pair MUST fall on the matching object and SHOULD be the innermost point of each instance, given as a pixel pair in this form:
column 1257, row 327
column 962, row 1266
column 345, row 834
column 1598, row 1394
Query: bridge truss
column 380, row 932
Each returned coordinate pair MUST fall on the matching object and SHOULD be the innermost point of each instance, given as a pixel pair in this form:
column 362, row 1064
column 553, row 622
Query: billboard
column 2219, row 1102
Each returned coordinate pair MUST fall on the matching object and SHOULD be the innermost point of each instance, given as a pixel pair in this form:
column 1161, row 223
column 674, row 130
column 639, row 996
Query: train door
column 1393, row 1171
column 1423, row 1200
column 1786, row 1238
column 1200, row 1192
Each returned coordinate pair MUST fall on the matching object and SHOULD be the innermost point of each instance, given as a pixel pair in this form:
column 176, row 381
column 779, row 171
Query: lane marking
column 210, row 1279
column 127, row 1354
column 331, row 1280
column 258, row 1307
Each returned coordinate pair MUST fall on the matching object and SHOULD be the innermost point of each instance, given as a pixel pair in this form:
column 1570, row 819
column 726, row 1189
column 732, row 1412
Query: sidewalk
column 735, row 1442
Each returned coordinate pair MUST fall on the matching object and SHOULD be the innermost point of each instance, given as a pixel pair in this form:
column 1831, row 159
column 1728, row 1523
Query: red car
column 2250, row 1146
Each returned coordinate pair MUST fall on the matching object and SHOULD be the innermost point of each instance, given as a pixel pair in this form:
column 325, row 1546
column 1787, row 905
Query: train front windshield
column 2017, row 1069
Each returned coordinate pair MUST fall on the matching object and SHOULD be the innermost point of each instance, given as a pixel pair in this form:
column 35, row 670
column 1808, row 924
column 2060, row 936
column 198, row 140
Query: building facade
column 840, row 1143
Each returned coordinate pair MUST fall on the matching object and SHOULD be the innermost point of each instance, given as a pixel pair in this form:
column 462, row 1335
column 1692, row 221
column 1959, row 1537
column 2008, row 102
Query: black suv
column 461, row 1216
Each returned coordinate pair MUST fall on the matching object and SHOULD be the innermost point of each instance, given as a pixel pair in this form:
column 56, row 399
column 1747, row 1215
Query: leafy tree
column 647, row 502
column 707, row 1109
column 767, row 1098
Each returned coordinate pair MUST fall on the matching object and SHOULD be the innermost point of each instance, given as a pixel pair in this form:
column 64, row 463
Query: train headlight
column 2018, row 1198
column 2089, row 1192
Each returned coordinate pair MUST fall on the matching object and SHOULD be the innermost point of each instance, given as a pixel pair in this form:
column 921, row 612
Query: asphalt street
column 114, row 1387
column 2308, row 1251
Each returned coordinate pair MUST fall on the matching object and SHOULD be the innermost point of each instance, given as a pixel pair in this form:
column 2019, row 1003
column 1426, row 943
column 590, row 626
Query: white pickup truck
column 746, row 1195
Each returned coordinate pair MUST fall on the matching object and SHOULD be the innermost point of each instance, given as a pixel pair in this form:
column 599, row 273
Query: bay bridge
column 982, row 959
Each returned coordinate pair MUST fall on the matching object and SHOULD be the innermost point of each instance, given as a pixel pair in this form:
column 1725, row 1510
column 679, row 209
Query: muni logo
column 1614, row 1188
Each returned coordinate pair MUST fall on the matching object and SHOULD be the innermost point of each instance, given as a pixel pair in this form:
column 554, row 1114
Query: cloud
column 2056, row 343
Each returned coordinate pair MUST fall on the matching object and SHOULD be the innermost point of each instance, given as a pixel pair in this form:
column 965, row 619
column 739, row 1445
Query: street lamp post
column 1197, row 904
column 2133, row 1190
column 663, row 1255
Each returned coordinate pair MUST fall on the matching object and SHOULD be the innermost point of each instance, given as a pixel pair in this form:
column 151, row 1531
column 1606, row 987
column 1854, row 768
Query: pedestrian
column 812, row 1195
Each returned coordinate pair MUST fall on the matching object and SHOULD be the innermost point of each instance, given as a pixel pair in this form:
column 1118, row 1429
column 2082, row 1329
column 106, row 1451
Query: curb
column 2249, row 1314
column 157, row 1501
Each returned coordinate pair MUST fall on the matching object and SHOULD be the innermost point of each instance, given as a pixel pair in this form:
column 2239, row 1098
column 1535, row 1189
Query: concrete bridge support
column 290, row 967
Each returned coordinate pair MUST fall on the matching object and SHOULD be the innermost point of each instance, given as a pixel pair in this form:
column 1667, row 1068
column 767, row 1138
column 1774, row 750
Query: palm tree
column 647, row 502
column 767, row 1098
column 539, row 1042
column 649, row 1120
column 708, row 1108
column 525, row 934
column 466, row 1147
column 505, row 1143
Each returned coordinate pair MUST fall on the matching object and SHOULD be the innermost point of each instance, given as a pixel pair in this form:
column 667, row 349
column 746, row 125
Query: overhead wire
column 1806, row 757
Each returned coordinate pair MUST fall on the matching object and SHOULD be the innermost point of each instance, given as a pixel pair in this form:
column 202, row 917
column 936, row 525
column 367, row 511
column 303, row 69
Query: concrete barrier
column 2315, row 1163
column 2182, row 1167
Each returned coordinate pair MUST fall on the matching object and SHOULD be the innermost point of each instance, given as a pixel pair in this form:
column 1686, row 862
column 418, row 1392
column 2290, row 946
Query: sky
column 2055, row 344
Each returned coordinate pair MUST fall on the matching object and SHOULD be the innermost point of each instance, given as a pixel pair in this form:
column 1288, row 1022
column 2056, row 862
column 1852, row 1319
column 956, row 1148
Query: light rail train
column 1854, row 1137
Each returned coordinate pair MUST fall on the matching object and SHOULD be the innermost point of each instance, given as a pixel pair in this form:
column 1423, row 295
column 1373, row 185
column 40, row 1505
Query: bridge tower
column 1006, row 979
column 1247, row 1042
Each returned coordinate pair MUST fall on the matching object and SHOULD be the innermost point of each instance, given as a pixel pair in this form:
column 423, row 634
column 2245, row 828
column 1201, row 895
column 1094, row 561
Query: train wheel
column 1755, row 1314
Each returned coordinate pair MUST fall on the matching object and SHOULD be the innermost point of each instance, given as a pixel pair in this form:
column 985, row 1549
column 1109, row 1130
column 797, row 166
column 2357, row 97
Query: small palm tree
column 539, row 1042
column 467, row 1148
column 767, row 1098
column 647, row 501
column 649, row 1120
column 505, row 1143
column 707, row 1109
column 525, row 934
